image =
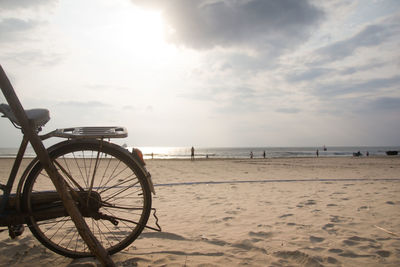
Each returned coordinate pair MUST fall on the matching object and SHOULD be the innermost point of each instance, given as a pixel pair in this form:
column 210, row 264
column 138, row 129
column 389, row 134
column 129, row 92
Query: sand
column 260, row 212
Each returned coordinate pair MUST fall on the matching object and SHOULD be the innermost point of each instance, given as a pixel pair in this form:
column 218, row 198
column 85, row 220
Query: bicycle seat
column 38, row 116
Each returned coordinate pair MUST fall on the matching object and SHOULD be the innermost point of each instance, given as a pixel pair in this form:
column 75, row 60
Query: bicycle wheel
column 109, row 187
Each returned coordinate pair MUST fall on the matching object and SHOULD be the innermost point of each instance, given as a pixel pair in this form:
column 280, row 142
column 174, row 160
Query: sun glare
column 138, row 33
column 119, row 32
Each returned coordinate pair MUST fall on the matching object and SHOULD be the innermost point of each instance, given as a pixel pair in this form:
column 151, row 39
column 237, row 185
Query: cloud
column 307, row 75
column 23, row 35
column 227, row 99
column 16, row 25
column 370, row 66
column 34, row 56
column 24, row 41
column 23, row 4
column 12, row 28
column 256, row 24
column 311, row 74
column 370, row 36
column 288, row 110
column 347, row 88
column 386, row 103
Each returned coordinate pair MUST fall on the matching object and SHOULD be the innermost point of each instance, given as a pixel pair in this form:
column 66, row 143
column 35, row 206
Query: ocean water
column 271, row 152
column 240, row 152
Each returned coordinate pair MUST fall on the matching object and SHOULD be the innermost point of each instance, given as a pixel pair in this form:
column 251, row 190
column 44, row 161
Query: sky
column 209, row 72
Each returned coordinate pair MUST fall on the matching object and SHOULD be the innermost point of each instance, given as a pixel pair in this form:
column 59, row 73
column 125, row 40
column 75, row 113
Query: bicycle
column 110, row 186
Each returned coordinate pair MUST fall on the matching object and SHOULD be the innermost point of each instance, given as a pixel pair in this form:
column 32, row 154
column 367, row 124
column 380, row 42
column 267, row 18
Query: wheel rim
column 116, row 184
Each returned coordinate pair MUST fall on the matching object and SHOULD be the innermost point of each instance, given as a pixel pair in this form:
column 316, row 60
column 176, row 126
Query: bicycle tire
column 118, row 180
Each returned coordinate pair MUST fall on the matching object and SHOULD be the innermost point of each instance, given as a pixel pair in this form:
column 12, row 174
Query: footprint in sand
column 329, row 227
column 361, row 239
column 233, row 212
column 349, row 242
column 286, row 215
column 331, row 260
column 316, row 239
column 350, row 254
column 261, row 234
column 297, row 257
column 248, row 245
column 335, row 250
column 337, row 219
column 162, row 235
column 383, row 253
column 306, row 203
column 310, row 202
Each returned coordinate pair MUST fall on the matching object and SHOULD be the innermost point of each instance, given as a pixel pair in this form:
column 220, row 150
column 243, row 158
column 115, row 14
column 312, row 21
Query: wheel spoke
column 108, row 181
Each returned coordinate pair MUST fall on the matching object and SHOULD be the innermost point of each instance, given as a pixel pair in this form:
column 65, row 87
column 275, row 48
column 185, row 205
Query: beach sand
column 259, row 212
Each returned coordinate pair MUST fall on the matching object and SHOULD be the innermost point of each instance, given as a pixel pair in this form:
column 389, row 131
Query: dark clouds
column 271, row 25
column 276, row 28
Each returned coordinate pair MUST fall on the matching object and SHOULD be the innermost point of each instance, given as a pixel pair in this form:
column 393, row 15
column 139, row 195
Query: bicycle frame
column 29, row 133
column 5, row 200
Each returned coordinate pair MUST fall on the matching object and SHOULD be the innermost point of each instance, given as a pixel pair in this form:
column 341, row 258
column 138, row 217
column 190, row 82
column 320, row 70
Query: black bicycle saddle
column 39, row 116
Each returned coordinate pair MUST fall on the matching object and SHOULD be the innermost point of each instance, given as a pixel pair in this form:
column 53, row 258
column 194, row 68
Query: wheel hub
column 89, row 204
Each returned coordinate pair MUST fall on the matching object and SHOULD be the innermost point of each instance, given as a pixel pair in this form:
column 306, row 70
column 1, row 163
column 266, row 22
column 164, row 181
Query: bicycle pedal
column 15, row 230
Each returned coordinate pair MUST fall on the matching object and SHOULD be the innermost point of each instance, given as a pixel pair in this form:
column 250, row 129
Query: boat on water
column 392, row 153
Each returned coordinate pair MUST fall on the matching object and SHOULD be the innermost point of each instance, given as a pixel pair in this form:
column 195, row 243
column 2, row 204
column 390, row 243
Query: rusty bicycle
column 110, row 186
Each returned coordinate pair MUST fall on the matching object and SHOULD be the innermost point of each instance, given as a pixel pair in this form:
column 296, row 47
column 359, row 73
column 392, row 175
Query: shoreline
column 266, row 158
column 242, row 152
column 243, row 158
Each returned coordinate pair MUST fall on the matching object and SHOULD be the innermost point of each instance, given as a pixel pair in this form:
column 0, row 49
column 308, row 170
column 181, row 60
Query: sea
column 240, row 152
column 270, row 152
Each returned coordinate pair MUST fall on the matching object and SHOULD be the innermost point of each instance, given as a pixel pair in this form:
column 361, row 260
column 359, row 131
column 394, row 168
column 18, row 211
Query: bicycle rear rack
column 91, row 132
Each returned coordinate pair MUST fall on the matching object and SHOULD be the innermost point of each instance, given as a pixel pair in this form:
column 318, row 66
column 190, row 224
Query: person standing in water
column 192, row 154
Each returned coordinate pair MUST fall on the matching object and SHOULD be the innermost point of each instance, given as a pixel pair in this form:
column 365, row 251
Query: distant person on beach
column 192, row 154
column 251, row 154
column 367, row 153
column 317, row 153
column 264, row 154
